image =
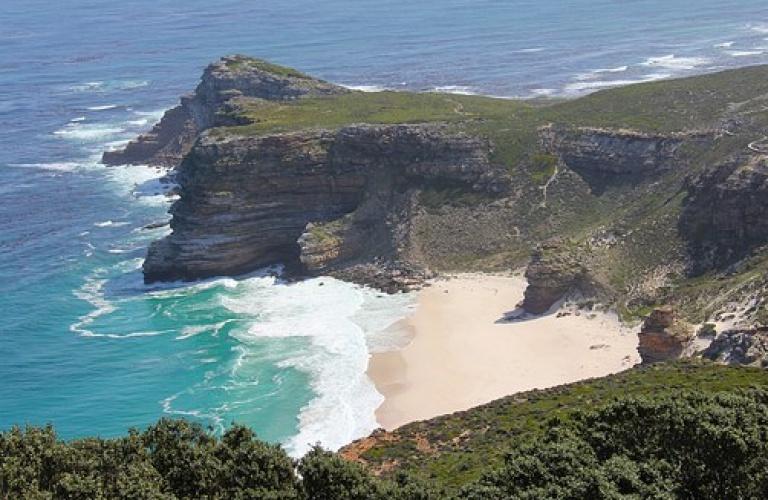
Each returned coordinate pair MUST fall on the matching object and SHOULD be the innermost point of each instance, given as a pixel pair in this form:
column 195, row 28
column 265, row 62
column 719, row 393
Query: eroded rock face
column 614, row 152
column 726, row 213
column 740, row 347
column 554, row 271
column 327, row 198
column 230, row 78
column 663, row 337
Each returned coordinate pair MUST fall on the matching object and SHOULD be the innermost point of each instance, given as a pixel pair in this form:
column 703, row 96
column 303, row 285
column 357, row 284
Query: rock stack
column 663, row 336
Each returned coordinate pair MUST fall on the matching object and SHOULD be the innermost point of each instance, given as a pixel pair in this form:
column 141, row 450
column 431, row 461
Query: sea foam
column 326, row 313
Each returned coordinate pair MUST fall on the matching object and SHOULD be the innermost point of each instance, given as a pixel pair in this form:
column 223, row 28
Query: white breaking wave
column 108, row 223
column 603, row 84
column 676, row 63
column 102, row 108
column 77, row 119
column 595, row 73
column 531, row 50
column 724, row 45
column 325, row 312
column 367, row 88
column 65, row 166
column 744, row 53
column 455, row 89
column 88, row 133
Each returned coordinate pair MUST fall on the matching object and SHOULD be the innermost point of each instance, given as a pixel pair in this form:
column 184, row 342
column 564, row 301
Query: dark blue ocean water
column 85, row 345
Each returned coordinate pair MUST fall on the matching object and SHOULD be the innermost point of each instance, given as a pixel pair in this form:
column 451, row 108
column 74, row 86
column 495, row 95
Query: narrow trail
column 546, row 185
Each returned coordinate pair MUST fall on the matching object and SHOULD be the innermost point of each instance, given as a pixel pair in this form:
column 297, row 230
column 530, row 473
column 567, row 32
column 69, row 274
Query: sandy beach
column 464, row 353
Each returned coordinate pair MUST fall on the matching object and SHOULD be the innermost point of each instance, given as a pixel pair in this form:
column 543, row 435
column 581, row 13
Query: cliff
column 221, row 85
column 659, row 187
column 322, row 198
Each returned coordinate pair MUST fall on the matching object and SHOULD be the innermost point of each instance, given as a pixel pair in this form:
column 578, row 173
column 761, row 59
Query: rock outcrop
column 222, row 83
column 325, row 198
column 612, row 151
column 740, row 347
column 726, row 213
column 663, row 336
column 555, row 270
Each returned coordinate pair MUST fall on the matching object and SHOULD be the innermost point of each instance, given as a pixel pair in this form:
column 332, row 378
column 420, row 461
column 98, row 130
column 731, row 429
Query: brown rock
column 663, row 337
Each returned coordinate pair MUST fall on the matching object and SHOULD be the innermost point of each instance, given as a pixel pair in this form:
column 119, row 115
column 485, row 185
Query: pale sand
column 462, row 356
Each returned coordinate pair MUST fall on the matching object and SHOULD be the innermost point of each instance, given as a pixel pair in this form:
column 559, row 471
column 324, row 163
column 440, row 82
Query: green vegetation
column 543, row 167
column 244, row 63
column 683, row 430
column 464, row 446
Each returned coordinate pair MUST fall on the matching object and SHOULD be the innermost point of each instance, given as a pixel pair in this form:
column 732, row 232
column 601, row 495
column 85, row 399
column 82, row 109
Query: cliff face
column 725, row 213
column 614, row 151
column 222, row 83
column 324, row 198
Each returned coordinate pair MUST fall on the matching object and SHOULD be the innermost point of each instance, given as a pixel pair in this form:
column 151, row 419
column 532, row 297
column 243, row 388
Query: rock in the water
column 663, row 336
column 740, row 347
column 554, row 271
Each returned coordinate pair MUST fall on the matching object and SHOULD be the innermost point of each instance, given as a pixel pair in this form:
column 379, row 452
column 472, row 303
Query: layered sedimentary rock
column 614, row 152
column 322, row 197
column 726, row 213
column 740, row 347
column 223, row 82
column 663, row 336
column 555, row 270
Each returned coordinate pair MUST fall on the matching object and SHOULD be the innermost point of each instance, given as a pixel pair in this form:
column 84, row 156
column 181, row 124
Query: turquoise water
column 85, row 345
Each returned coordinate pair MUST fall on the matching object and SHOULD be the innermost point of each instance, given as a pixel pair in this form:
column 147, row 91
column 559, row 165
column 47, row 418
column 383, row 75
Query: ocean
column 85, row 345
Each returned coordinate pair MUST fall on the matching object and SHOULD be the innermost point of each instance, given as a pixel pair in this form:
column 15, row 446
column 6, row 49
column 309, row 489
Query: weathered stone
column 726, row 213
column 554, row 271
column 663, row 336
column 614, row 152
column 246, row 201
column 740, row 347
column 222, row 82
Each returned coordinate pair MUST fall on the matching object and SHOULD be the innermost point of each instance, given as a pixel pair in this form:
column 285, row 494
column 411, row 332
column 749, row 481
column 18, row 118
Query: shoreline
column 463, row 353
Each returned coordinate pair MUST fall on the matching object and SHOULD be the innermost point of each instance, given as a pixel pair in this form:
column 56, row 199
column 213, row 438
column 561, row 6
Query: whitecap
column 138, row 123
column 65, row 166
column 530, row 50
column 676, row 63
column 77, row 119
column 214, row 329
column 153, row 116
column 108, row 223
column 366, row 88
column 542, row 92
column 761, row 28
column 603, row 84
column 724, row 45
column 595, row 73
column 455, row 89
column 88, row 133
column 102, row 108
column 744, row 53
column 87, row 86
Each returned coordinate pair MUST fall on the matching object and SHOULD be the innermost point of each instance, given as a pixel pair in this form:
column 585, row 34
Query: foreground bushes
column 692, row 445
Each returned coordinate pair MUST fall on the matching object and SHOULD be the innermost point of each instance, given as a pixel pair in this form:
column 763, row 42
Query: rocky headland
column 641, row 195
